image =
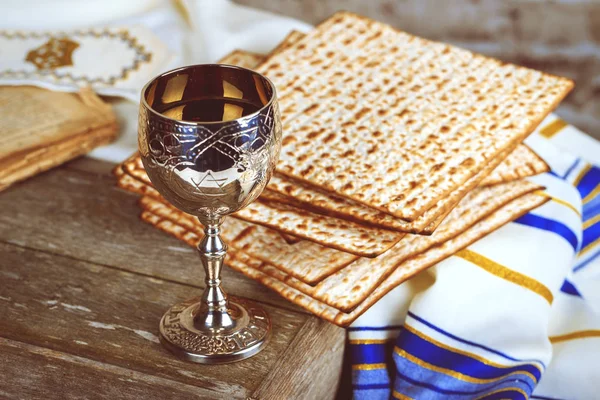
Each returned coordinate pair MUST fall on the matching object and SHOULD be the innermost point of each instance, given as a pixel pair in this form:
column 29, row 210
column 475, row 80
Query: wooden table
column 85, row 282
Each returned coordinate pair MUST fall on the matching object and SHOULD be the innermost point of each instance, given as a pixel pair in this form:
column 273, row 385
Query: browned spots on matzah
column 313, row 203
column 303, row 260
column 129, row 183
column 344, row 235
column 290, row 239
column 138, row 185
column 480, row 110
column 521, row 163
column 299, row 194
column 242, row 59
column 370, row 272
column 278, row 280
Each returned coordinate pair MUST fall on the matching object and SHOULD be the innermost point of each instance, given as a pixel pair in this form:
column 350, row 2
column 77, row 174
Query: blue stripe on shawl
column 569, row 288
column 371, row 386
column 444, row 358
column 589, row 181
column 550, row 225
column 376, row 353
column 470, row 343
column 410, row 378
column 591, row 209
column 591, row 234
column 587, row 261
column 569, row 170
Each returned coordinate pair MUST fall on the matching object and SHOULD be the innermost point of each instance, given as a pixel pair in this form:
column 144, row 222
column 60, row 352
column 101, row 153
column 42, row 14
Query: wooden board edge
column 318, row 345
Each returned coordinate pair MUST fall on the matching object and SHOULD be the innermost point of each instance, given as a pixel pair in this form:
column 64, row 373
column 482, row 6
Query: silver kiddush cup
column 209, row 137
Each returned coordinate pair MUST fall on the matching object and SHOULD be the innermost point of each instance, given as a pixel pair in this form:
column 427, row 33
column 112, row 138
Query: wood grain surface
column 85, row 283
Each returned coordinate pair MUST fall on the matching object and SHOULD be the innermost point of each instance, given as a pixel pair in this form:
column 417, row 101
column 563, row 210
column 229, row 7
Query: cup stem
column 214, row 329
column 213, row 312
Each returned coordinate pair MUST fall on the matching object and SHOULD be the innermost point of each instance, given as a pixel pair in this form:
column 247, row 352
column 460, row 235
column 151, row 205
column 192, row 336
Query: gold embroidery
column 553, row 128
column 370, row 341
column 591, row 195
column 368, row 367
column 470, row 355
column 457, row 375
column 589, row 247
column 55, row 53
column 507, row 274
column 141, row 56
column 400, row 396
column 559, row 201
column 591, row 333
column 591, row 221
column 581, row 174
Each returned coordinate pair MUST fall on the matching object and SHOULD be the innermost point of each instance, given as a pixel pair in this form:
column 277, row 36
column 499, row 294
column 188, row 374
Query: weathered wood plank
column 106, row 311
column 316, row 351
column 93, row 166
column 33, row 372
column 111, row 316
column 85, row 216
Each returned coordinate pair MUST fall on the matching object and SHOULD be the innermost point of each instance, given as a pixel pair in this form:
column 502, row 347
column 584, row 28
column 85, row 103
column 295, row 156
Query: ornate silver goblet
column 209, row 137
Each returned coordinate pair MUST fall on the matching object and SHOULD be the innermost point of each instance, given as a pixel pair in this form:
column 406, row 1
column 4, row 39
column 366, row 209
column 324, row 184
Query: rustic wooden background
column 85, row 282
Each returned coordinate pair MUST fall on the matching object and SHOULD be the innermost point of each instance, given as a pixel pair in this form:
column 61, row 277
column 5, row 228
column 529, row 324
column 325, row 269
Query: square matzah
column 520, row 163
column 340, row 281
column 264, row 273
column 395, row 121
column 356, row 236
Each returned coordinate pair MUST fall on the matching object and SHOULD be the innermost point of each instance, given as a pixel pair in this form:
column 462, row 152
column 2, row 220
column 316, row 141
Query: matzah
column 304, row 260
column 347, row 236
column 43, row 158
column 246, row 59
column 340, row 234
column 346, row 288
column 282, row 190
column 395, row 121
column 289, row 40
column 337, row 233
column 242, row 58
column 521, row 163
column 403, row 272
column 341, row 207
column 129, row 183
column 254, row 268
column 290, row 239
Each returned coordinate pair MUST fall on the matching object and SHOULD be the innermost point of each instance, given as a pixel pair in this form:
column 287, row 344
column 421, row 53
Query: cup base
column 248, row 334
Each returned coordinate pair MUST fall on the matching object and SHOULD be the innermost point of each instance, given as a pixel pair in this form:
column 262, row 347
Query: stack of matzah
column 397, row 153
column 42, row 129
